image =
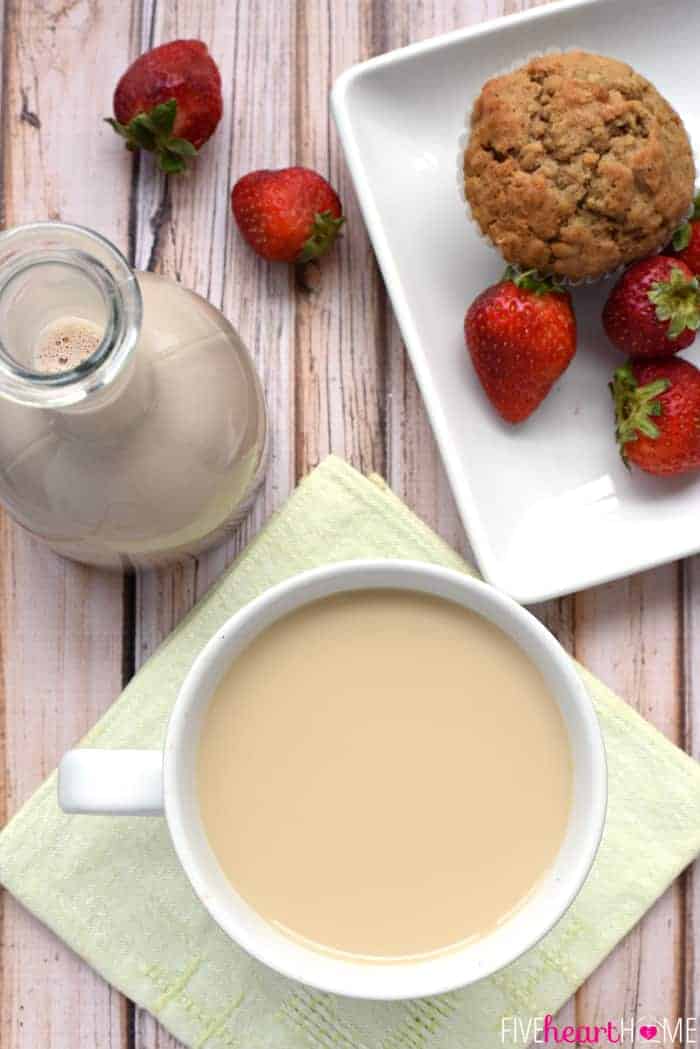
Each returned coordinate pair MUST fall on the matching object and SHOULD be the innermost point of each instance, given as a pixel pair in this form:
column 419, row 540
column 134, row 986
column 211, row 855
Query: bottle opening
column 70, row 313
column 56, row 316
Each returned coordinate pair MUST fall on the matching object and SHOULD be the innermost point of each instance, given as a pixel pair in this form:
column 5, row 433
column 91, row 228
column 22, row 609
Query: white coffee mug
column 153, row 782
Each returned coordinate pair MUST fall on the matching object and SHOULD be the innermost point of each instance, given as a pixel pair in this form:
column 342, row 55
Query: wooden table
column 337, row 379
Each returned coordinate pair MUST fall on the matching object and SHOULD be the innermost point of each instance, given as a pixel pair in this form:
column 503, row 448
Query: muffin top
column 576, row 165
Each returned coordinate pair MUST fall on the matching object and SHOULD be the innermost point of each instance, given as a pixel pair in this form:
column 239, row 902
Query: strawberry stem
column 681, row 238
column 677, row 301
column 635, row 407
column 530, row 280
column 324, row 233
column 153, row 131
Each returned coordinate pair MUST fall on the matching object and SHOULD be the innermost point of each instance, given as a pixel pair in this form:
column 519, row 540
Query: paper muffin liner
column 463, row 141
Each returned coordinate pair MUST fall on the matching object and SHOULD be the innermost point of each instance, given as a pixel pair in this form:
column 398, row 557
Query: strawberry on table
column 521, row 335
column 654, row 309
column 288, row 215
column 169, row 102
column 686, row 241
column 657, row 415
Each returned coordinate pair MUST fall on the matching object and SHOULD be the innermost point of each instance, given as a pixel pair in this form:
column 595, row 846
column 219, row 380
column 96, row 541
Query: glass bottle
column 132, row 424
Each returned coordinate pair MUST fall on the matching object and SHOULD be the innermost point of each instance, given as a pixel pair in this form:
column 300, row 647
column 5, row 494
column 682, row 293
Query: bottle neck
column 54, row 277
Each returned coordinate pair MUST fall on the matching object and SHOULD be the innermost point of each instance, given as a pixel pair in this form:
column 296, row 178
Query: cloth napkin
column 112, row 888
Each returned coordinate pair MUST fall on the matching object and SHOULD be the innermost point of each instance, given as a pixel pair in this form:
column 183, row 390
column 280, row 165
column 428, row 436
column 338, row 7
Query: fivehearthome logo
column 543, row 1030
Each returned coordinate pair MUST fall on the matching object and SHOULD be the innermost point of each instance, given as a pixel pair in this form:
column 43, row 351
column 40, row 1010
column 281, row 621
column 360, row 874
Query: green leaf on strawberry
column 152, row 131
column 677, row 301
column 162, row 117
column 324, row 233
column 635, row 407
column 182, row 147
column 681, row 238
column 530, row 280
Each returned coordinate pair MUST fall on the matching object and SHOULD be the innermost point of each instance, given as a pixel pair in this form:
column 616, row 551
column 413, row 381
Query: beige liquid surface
column 66, row 343
column 384, row 774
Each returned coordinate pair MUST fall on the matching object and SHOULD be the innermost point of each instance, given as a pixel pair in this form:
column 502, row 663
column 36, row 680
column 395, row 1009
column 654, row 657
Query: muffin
column 576, row 165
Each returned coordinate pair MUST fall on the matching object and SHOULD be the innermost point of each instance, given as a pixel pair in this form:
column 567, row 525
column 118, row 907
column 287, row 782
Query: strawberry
column 169, row 102
column 657, row 415
column 654, row 309
column 289, row 215
column 686, row 241
column 521, row 334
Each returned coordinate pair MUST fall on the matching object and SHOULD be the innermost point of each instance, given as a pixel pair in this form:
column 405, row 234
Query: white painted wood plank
column 339, row 337
column 185, row 230
column 61, row 624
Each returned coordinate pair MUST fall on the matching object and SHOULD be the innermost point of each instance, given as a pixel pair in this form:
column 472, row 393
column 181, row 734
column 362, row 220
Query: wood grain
column 336, row 378
column 61, row 623
column 339, row 348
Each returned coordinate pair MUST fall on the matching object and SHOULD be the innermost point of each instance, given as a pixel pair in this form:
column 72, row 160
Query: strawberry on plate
column 654, row 309
column 686, row 241
column 521, row 335
column 288, row 215
column 657, row 415
column 169, row 102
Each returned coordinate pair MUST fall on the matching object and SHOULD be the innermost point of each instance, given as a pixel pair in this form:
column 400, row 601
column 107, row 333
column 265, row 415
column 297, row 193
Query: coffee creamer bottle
column 132, row 424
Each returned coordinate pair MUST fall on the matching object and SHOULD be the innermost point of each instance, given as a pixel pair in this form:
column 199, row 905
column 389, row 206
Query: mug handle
column 115, row 782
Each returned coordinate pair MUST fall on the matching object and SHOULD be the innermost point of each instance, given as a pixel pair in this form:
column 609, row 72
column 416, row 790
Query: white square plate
column 548, row 505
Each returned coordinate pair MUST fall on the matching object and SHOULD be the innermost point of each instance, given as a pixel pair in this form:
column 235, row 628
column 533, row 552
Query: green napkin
column 112, row 889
